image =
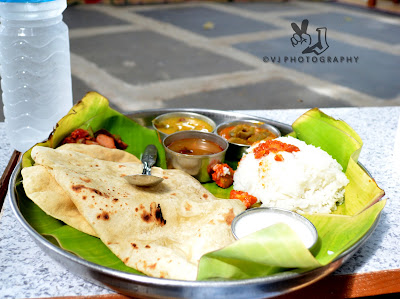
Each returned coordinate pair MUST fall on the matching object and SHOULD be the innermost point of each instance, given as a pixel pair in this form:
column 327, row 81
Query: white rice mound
column 308, row 181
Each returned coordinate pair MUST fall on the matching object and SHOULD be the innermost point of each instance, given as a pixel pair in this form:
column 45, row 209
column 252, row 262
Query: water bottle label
column 25, row 1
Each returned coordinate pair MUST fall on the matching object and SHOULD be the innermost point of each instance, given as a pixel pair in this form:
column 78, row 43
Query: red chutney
column 273, row 146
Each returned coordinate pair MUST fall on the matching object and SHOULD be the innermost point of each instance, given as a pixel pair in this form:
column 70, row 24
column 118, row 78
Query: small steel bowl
column 162, row 117
column 295, row 221
column 196, row 165
column 236, row 150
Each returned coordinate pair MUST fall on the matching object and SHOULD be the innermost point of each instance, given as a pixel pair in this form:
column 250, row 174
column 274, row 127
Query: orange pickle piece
column 244, row 197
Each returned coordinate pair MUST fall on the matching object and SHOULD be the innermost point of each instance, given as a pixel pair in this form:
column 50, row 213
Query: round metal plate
column 150, row 287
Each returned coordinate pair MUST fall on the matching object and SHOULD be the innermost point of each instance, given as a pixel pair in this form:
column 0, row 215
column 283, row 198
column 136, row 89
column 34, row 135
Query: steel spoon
column 145, row 179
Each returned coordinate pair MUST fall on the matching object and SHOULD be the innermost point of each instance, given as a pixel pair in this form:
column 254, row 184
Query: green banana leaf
column 272, row 250
column 94, row 112
column 340, row 141
column 333, row 136
column 278, row 249
column 267, row 251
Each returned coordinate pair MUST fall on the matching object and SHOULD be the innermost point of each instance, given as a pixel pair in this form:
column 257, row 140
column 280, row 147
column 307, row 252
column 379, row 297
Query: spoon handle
column 149, row 158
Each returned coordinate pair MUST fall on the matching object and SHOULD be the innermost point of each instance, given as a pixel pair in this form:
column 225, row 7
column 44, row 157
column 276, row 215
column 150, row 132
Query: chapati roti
column 161, row 231
column 41, row 187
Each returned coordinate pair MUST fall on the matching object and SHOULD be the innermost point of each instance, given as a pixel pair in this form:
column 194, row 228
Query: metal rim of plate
column 145, row 286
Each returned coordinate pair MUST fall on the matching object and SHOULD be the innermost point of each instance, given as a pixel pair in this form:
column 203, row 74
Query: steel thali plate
column 150, row 287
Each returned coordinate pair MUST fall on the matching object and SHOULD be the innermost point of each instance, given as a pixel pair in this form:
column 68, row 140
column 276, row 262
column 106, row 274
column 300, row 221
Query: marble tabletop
column 27, row 272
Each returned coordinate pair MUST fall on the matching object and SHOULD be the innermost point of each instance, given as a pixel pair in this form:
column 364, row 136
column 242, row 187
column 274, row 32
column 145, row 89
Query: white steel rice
column 307, row 181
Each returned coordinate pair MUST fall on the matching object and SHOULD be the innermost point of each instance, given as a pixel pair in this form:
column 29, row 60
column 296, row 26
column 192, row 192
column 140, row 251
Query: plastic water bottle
column 35, row 69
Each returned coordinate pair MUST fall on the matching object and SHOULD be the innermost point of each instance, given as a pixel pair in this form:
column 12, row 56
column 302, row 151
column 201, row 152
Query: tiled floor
column 263, row 95
column 77, row 18
column 212, row 55
column 146, row 56
column 265, row 6
column 193, row 19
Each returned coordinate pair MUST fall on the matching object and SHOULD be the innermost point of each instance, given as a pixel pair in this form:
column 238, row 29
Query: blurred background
column 236, row 55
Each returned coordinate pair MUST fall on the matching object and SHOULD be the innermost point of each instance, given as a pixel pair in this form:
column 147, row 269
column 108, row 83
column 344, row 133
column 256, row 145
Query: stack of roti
column 161, row 231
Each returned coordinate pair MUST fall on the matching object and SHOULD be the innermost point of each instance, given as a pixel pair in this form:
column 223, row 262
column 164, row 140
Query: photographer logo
column 301, row 38
column 311, row 48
